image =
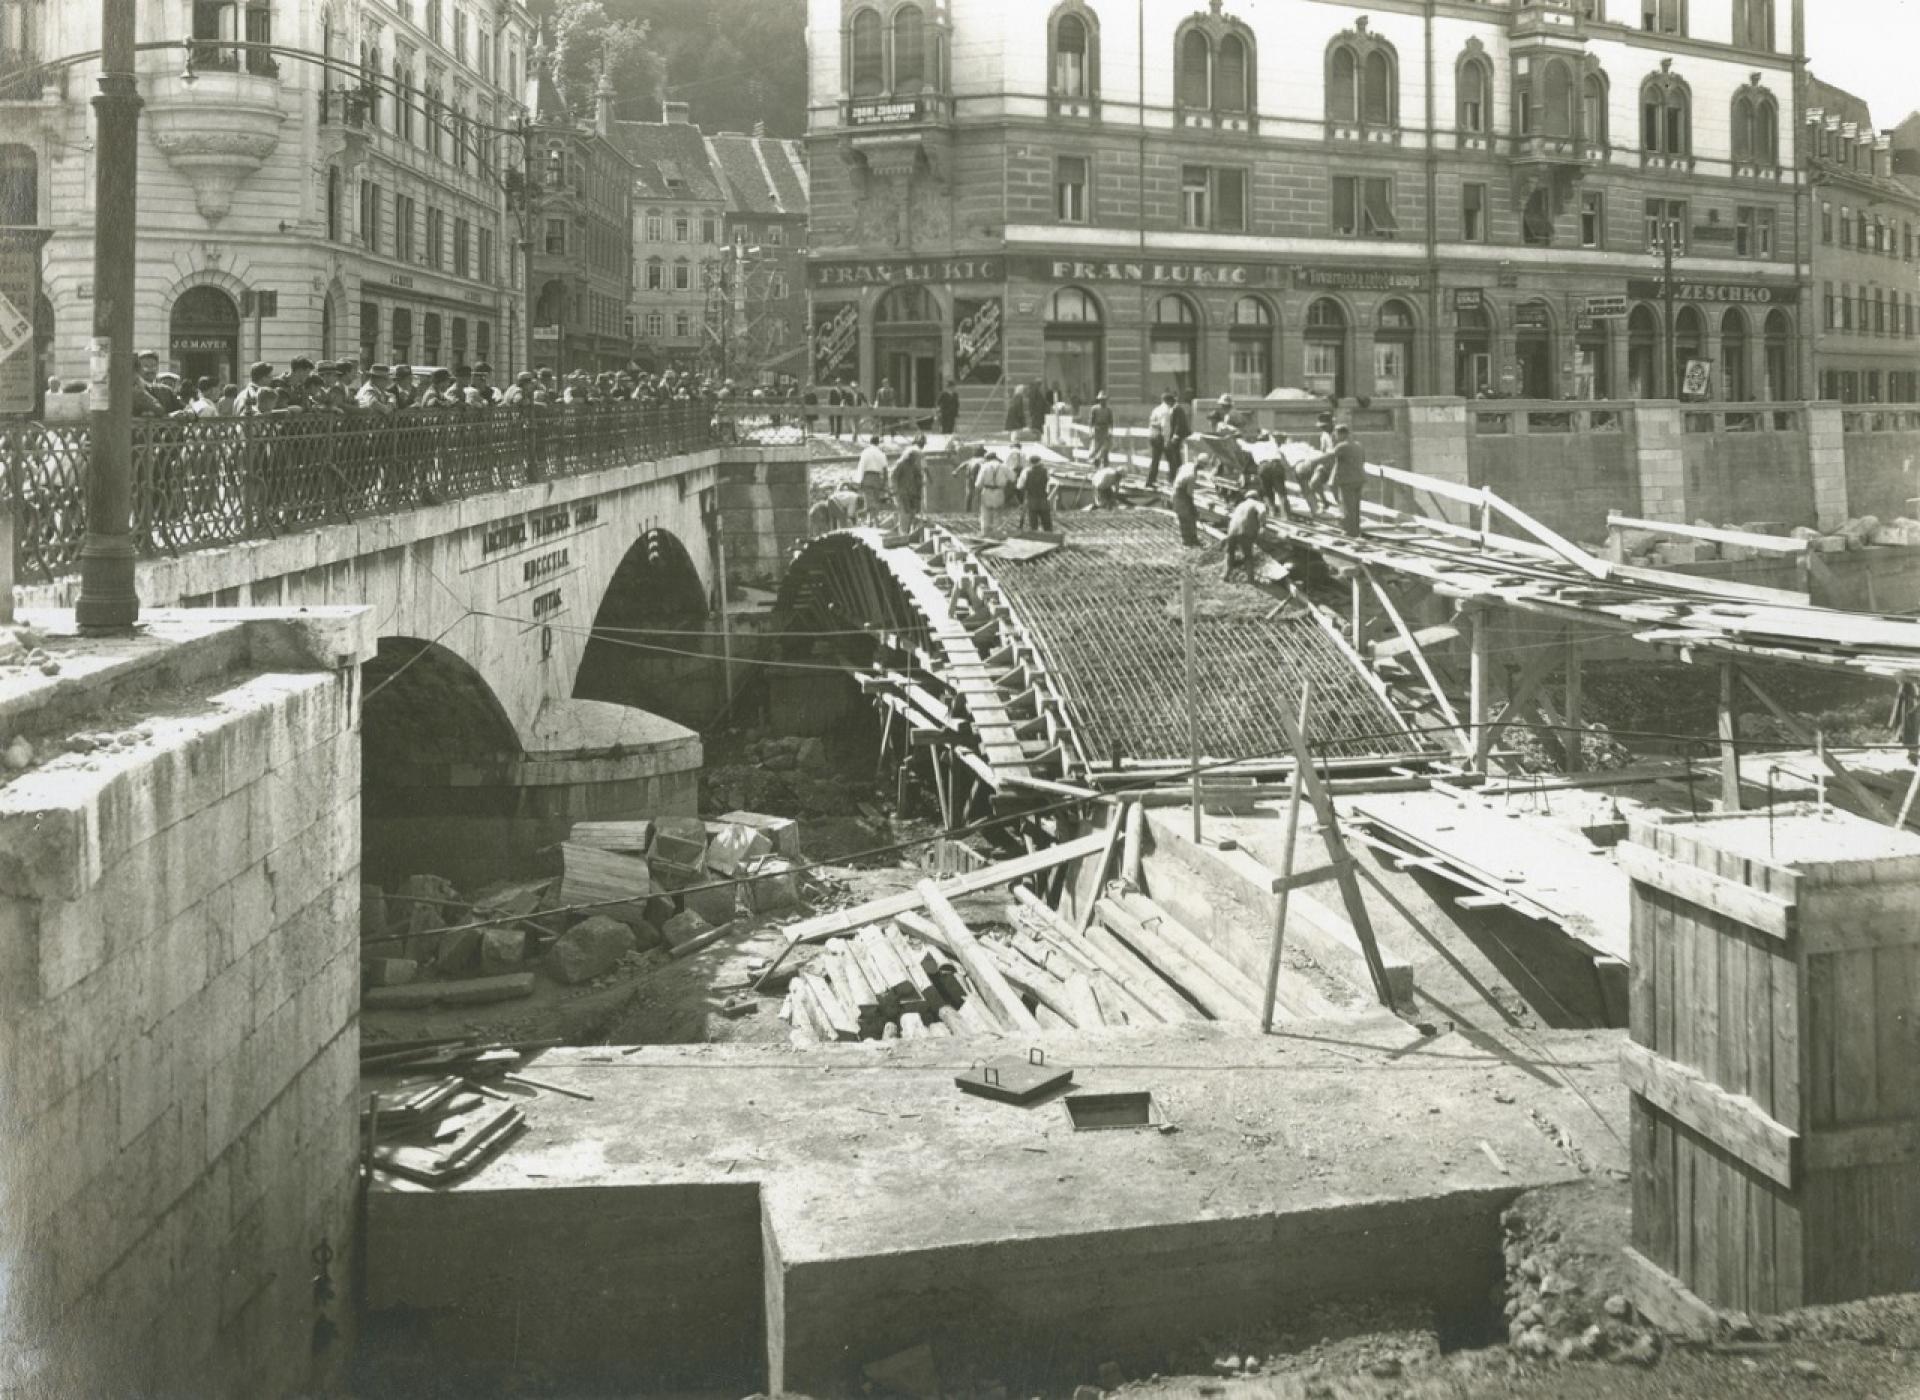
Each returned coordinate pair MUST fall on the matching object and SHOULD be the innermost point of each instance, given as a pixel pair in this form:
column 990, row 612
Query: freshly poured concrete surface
column 895, row 1209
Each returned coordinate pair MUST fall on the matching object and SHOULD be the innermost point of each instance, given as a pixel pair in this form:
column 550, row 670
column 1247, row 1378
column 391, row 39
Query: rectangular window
column 436, row 20
column 430, row 337
column 682, row 276
column 436, row 237
column 403, row 228
column 1826, row 223
column 459, row 340
column 1070, row 189
column 656, row 275
column 1195, row 191
column 1832, row 318
column 484, row 268
column 1363, row 207
column 776, row 236
column 655, row 227
column 1667, row 220
column 1593, row 219
column 1846, row 306
column 1846, row 227
column 460, row 34
column 709, row 230
column 462, row 237
column 1664, row 16
column 682, row 228
column 682, row 324
column 483, row 341
column 1473, row 213
column 1230, row 200
column 370, row 215
column 557, row 237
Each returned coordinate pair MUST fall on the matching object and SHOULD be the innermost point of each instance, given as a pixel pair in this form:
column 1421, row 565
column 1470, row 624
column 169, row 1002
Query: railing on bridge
column 1743, row 418
column 1892, row 419
column 204, row 482
column 1547, row 417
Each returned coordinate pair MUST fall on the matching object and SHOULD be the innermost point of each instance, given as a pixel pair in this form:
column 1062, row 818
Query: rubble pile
column 632, row 896
column 775, row 774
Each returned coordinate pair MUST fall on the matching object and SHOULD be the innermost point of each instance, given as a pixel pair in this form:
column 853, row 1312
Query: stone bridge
column 546, row 651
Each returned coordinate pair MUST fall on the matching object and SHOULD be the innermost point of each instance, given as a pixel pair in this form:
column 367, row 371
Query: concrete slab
column 1358, row 1159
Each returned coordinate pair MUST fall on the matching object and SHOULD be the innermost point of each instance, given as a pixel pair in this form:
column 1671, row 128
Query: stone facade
column 1275, row 196
column 1866, row 255
column 284, row 209
column 582, row 257
column 178, row 1013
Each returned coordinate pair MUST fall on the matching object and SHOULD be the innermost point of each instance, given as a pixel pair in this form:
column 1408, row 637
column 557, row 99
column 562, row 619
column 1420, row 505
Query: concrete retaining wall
column 763, row 518
column 1883, row 474
column 1733, row 478
column 178, row 1015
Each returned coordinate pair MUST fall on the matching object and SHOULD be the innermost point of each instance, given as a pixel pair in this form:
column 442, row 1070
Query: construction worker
column 1035, row 482
column 1243, row 532
column 873, row 477
column 1102, row 420
column 1273, row 476
column 910, row 484
column 994, row 485
column 1346, row 468
column 1106, row 488
column 1184, row 509
column 1160, row 447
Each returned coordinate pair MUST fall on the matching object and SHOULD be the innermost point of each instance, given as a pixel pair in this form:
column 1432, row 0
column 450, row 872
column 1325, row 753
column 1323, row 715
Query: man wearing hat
column 259, row 376
column 166, row 391
column 1102, row 420
column 1346, row 467
column 462, row 381
column 405, row 392
column 483, row 381
column 948, row 405
column 376, row 395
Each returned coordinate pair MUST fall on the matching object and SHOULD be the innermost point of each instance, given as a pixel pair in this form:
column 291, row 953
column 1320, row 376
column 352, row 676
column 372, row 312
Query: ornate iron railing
column 204, row 482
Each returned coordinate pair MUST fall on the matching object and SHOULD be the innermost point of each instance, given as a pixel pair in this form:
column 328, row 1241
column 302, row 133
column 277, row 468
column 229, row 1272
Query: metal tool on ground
column 1015, row 1081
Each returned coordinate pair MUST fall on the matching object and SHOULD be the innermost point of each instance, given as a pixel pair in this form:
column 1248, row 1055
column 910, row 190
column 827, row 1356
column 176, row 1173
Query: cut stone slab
column 629, row 838
column 411, row 997
column 616, row 886
column 480, row 990
column 772, row 885
column 502, row 950
column 731, row 847
column 391, row 972
column 783, row 832
column 680, row 841
column 588, row 949
column 459, row 951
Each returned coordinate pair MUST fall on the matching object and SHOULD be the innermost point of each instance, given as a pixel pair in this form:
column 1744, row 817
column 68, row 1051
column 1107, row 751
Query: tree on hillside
column 587, row 42
column 737, row 62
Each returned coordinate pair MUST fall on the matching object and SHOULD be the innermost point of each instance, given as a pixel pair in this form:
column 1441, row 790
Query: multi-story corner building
column 582, row 256
column 1394, row 199
column 763, row 287
column 679, row 228
column 1866, row 254
column 318, row 179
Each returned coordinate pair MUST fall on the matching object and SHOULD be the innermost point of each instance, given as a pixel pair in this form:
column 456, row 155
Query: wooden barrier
column 1774, row 1061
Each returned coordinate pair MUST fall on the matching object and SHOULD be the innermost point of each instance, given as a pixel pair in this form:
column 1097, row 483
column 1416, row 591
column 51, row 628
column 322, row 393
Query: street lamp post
column 107, row 601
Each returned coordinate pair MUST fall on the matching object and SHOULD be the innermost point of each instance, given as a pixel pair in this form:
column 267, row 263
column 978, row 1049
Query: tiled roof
column 670, row 160
column 764, row 175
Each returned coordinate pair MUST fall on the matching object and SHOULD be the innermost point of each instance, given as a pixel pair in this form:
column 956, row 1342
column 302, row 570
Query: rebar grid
column 1106, row 612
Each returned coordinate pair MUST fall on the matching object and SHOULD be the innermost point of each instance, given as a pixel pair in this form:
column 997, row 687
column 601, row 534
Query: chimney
column 677, row 113
column 603, row 105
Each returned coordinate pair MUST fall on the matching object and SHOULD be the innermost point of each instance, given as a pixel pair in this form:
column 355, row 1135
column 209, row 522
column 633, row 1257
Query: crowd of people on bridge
column 351, row 386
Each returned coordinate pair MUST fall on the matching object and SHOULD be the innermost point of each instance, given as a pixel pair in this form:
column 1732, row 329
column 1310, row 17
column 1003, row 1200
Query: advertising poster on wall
column 836, row 343
column 976, row 341
column 1698, row 380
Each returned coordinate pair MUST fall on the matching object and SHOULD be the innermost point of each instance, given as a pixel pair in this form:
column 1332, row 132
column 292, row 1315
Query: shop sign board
column 1149, row 271
column 836, row 343
column 1731, row 293
column 1608, row 308
column 895, row 272
column 1469, row 298
column 1358, row 279
column 976, row 341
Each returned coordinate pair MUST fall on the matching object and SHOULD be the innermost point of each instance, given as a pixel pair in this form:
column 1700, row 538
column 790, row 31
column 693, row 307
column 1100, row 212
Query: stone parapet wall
column 178, row 1011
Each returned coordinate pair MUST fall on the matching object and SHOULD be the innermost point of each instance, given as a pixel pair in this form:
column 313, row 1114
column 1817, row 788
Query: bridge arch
column 652, row 646
column 432, row 734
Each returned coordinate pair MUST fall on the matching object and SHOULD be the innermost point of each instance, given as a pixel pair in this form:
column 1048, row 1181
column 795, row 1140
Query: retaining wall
column 179, row 979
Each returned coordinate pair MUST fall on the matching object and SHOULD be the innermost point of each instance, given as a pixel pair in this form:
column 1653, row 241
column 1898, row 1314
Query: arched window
column 909, row 49
column 1343, row 86
column 1474, row 84
column 1472, row 352
column 1326, row 336
column 1756, row 127
column 1376, row 91
column 19, row 185
column 1074, row 347
column 1361, row 81
column 1230, row 75
column 1593, row 109
column 1393, row 350
column 1196, row 70
column 1666, row 116
column 867, row 47
column 906, row 304
column 1250, row 373
column 1778, row 366
column 1072, row 56
column 1173, row 347
column 1643, row 353
column 1734, row 385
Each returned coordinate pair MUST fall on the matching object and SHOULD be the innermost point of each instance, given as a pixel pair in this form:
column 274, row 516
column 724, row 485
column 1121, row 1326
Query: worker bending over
column 1243, row 532
column 1345, row 467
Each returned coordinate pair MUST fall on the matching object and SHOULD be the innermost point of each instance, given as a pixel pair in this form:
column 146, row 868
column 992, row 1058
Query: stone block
column 730, row 846
column 502, row 950
column 714, row 899
column 391, row 972
column 481, row 990
column 589, row 949
column 459, row 952
column 680, row 841
column 782, row 832
column 773, row 886
column 684, row 927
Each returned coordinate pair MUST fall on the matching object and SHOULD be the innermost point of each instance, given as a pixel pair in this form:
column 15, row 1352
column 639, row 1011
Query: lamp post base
column 107, row 602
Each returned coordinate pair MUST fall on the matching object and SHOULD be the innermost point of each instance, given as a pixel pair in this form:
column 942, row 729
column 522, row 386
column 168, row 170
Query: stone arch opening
column 651, row 647
column 435, row 744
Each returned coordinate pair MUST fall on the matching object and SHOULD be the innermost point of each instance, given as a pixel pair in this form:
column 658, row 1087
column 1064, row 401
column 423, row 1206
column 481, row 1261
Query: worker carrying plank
column 1243, row 533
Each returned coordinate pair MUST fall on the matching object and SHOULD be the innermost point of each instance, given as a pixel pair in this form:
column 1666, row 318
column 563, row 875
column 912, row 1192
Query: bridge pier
column 483, row 818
